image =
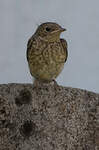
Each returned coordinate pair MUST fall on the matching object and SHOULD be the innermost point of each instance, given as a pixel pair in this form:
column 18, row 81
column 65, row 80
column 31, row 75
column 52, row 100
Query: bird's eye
column 48, row 29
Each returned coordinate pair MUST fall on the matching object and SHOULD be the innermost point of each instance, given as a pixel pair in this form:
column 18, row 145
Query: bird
column 47, row 52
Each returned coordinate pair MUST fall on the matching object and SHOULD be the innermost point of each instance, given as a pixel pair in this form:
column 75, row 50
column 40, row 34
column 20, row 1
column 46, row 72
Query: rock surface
column 48, row 117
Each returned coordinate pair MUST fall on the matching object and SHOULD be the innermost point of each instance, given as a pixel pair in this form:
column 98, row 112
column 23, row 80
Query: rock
column 48, row 117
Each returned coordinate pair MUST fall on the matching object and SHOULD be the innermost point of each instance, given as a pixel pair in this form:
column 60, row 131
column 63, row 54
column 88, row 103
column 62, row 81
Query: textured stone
column 48, row 117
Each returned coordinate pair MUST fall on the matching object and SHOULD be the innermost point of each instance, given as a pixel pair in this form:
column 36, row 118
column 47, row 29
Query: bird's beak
column 62, row 29
column 59, row 30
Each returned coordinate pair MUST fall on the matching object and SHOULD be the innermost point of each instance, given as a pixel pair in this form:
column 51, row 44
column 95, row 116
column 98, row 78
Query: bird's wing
column 65, row 46
column 35, row 46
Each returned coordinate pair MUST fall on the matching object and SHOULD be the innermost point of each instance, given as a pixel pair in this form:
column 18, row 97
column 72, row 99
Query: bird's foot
column 45, row 87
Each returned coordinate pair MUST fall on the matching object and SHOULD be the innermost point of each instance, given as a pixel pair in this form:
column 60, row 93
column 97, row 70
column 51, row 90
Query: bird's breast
column 54, row 52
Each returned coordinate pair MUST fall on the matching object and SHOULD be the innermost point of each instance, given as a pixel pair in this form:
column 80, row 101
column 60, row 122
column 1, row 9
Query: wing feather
column 65, row 46
column 35, row 46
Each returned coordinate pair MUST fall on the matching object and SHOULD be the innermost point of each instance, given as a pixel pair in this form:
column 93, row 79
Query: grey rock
column 48, row 117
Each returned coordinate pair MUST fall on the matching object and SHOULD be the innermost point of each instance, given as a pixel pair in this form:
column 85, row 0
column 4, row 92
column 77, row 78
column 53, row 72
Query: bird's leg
column 40, row 84
column 56, row 86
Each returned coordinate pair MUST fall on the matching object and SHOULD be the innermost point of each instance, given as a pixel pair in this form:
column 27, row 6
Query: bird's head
column 49, row 31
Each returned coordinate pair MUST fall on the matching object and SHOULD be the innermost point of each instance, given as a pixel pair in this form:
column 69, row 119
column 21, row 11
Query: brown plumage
column 46, row 52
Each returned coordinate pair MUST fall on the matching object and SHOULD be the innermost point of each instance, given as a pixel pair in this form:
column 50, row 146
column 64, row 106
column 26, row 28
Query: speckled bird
column 47, row 52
